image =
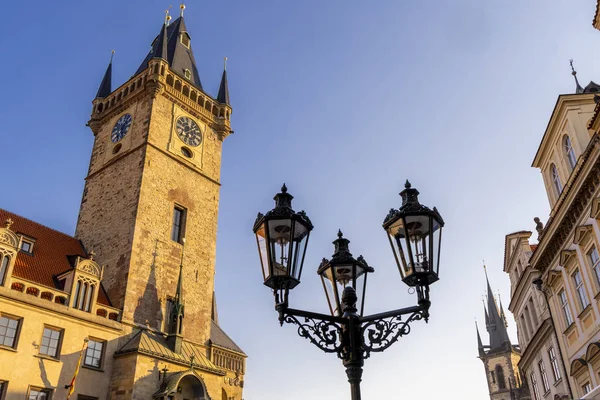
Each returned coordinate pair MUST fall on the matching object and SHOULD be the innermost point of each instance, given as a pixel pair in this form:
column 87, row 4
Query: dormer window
column 185, row 40
column 26, row 245
column 187, row 74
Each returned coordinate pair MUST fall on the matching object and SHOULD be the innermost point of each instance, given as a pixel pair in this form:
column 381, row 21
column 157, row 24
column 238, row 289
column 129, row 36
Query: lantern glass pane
column 333, row 296
column 361, row 285
column 300, row 240
column 262, row 250
column 417, row 231
column 280, row 231
column 435, row 251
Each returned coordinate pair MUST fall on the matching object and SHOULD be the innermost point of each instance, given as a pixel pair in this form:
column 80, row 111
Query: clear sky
column 342, row 101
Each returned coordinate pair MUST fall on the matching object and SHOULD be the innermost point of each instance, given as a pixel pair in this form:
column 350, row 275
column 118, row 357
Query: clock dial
column 121, row 127
column 189, row 131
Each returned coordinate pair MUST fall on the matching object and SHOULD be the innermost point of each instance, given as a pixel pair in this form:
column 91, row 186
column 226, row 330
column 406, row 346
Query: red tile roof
column 51, row 252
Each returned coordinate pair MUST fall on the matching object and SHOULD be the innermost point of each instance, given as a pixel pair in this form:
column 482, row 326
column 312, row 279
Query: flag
column 72, row 385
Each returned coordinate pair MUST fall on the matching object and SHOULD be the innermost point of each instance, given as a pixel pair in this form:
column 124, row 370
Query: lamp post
column 414, row 232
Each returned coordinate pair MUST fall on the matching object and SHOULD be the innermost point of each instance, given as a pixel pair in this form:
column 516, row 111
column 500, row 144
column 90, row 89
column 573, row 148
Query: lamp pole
column 414, row 231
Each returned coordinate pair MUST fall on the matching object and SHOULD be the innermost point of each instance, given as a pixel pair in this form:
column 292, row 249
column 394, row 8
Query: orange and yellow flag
column 72, row 386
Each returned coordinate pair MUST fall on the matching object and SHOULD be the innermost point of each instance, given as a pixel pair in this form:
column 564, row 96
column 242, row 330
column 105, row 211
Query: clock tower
column 150, row 203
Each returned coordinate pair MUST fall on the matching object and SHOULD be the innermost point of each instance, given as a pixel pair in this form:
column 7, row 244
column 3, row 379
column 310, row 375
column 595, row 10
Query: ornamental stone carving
column 8, row 237
column 89, row 266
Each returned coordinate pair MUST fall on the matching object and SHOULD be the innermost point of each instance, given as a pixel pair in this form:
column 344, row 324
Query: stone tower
column 153, row 185
column 500, row 357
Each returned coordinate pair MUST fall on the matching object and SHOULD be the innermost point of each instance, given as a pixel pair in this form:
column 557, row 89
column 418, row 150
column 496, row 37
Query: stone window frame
column 579, row 286
column 178, row 225
column 563, row 301
column 61, row 334
column 594, row 264
column 102, row 354
column 4, row 267
column 569, row 152
column 554, row 364
column 555, row 180
column 17, row 330
column 544, row 376
column 47, row 391
column 536, row 391
column 3, row 388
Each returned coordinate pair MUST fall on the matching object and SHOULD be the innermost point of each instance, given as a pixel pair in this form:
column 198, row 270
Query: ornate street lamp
column 341, row 271
column 415, row 235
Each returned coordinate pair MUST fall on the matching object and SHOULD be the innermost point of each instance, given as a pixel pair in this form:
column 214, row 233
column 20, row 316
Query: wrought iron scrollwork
column 325, row 335
column 380, row 334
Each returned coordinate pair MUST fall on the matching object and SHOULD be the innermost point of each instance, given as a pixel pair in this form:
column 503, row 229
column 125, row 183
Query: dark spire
column 479, row 343
column 223, row 96
column 106, row 85
column 159, row 49
column 578, row 88
column 502, row 315
column 179, row 52
column 496, row 328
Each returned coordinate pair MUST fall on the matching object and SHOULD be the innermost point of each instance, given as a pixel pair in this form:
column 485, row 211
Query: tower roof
column 223, row 96
column 179, row 52
column 495, row 324
column 106, row 85
column 479, row 342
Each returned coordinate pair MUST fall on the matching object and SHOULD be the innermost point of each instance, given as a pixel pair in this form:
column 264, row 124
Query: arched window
column 83, row 298
column 500, row 377
column 568, row 147
column 4, row 260
column 555, row 179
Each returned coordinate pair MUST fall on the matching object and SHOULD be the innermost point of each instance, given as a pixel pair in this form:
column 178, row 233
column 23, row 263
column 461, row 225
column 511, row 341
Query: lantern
column 282, row 235
column 415, row 234
column 342, row 271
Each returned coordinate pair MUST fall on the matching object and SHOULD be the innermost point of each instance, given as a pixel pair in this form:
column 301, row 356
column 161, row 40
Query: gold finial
column 8, row 223
column 182, row 7
column 112, row 54
column 225, row 63
column 167, row 16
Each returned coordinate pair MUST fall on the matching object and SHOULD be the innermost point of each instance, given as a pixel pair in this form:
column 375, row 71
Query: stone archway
column 185, row 385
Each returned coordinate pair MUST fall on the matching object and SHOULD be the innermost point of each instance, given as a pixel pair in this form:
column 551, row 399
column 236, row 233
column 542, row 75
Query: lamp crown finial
column 407, row 185
column 284, row 188
column 340, row 234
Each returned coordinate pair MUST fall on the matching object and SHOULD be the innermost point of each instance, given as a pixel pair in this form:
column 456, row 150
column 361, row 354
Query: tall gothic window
column 4, row 260
column 500, row 377
column 555, row 179
column 568, row 147
column 178, row 227
column 83, row 296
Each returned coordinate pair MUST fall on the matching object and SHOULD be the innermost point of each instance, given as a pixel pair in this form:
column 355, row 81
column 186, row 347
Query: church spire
column 106, row 85
column 479, row 343
column 496, row 327
column 223, row 96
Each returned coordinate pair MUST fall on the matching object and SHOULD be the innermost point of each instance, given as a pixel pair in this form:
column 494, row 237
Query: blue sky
column 341, row 100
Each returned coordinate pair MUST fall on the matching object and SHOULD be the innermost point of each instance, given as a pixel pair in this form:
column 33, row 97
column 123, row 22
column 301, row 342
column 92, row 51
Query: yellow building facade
column 555, row 284
column 131, row 296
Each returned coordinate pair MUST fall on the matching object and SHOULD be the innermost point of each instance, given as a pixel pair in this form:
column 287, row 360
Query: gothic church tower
column 500, row 357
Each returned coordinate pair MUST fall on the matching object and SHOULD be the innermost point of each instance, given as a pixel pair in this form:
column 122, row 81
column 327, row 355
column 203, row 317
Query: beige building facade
column 131, row 295
column 555, row 284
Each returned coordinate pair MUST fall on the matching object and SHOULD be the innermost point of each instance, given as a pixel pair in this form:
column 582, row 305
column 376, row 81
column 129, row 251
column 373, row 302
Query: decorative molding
column 581, row 233
column 8, row 237
column 564, row 256
column 89, row 266
column 595, row 212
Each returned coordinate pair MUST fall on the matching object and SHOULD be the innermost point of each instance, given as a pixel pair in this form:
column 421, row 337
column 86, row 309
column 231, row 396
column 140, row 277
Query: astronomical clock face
column 189, row 131
column 121, row 127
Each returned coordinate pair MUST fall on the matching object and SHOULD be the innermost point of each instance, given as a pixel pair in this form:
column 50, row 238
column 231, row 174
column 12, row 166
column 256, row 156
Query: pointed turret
column 502, row 315
column 479, row 343
column 106, row 85
column 159, row 48
column 223, row 96
column 496, row 328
